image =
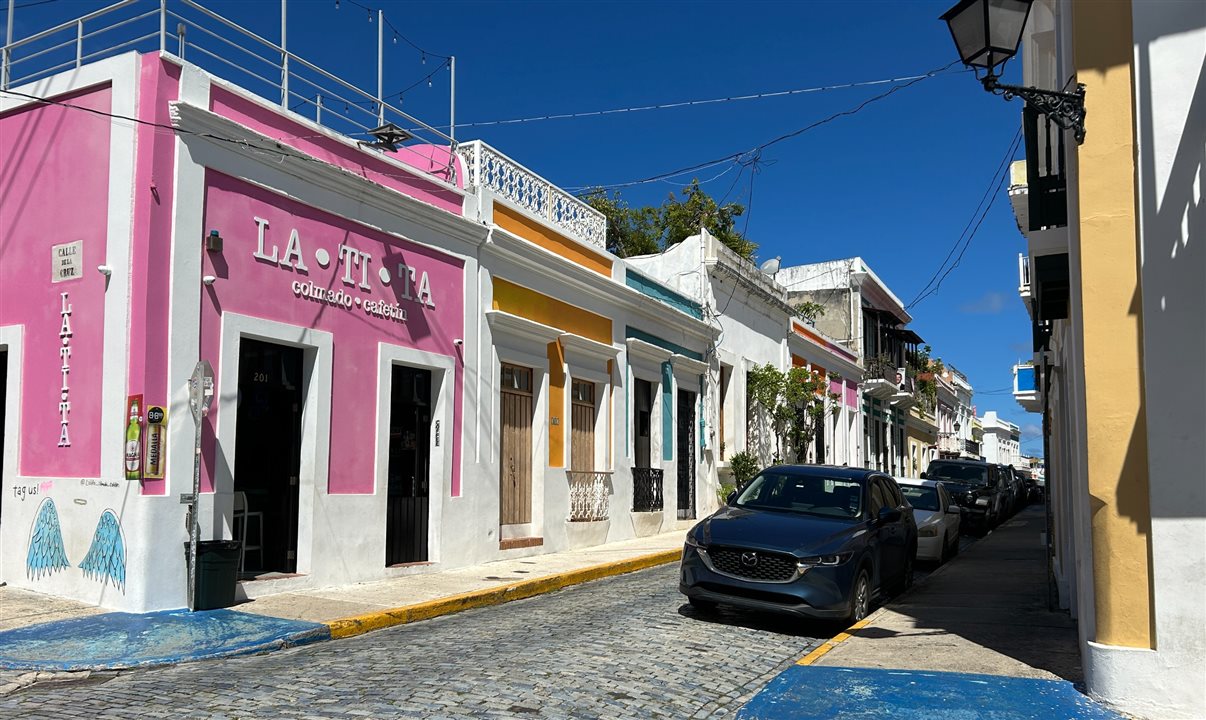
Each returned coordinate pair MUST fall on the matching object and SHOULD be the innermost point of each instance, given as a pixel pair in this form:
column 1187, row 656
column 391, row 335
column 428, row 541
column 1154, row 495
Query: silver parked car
column 937, row 517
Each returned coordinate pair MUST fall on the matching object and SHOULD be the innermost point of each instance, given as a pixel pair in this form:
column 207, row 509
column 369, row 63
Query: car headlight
column 930, row 531
column 692, row 542
column 827, row 560
column 982, row 501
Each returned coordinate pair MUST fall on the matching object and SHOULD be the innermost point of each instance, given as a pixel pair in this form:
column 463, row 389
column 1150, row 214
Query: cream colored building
column 1113, row 275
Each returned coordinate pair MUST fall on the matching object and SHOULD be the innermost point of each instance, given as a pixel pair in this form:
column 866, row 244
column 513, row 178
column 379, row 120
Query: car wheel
column 954, row 547
column 701, row 604
column 860, row 597
column 944, row 553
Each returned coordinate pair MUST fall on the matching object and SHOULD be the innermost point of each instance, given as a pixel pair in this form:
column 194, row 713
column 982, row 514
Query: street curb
column 367, row 622
column 851, row 631
column 838, row 639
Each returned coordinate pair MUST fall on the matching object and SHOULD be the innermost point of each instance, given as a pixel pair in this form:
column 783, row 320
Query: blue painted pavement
column 124, row 640
column 833, row 693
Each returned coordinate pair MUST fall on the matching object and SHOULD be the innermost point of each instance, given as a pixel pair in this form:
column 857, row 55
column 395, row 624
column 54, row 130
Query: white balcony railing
column 524, row 189
column 589, row 492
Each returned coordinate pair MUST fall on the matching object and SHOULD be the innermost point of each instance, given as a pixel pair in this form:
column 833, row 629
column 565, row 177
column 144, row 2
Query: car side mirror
column 954, row 509
column 923, row 476
column 728, row 500
column 888, row 515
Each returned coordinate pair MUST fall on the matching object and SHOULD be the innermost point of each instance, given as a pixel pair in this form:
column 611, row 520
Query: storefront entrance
column 3, row 404
column 409, row 466
column 268, row 455
column 686, row 455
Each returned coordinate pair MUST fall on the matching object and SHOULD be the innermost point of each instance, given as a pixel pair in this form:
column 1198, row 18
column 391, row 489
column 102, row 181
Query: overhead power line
column 692, row 103
column 276, row 148
column 787, row 136
column 964, row 240
column 423, row 51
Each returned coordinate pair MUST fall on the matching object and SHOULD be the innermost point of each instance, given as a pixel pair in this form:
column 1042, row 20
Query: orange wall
column 519, row 224
column 527, row 303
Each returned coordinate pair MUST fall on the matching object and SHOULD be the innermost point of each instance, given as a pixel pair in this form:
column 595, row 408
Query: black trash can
column 217, row 569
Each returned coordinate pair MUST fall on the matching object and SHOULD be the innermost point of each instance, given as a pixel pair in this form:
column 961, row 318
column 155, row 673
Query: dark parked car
column 977, row 486
column 813, row 541
column 1018, row 485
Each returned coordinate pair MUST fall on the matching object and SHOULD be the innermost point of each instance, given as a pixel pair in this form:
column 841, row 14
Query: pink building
column 421, row 359
column 130, row 251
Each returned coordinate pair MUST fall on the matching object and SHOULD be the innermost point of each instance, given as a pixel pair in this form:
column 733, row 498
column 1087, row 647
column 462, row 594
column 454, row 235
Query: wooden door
column 515, row 461
column 582, row 426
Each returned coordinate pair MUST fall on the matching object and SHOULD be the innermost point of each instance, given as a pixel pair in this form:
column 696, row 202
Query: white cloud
column 990, row 303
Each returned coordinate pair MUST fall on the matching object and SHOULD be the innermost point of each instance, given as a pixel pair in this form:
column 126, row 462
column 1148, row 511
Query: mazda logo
column 749, row 559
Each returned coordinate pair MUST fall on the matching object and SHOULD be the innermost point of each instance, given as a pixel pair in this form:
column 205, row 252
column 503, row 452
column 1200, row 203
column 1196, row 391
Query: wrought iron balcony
column 589, row 491
column 526, row 191
column 647, row 489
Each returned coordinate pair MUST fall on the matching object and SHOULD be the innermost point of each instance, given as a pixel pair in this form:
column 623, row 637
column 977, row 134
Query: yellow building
column 1113, row 281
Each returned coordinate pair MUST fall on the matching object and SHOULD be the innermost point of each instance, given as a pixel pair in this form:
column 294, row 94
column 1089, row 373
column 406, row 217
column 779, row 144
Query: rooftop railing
column 185, row 28
column 527, row 191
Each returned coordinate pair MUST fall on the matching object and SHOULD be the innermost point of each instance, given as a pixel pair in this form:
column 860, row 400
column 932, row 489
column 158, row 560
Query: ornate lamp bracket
column 1067, row 109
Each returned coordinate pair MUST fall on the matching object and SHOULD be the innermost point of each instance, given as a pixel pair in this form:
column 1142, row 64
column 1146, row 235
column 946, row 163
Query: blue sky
column 895, row 183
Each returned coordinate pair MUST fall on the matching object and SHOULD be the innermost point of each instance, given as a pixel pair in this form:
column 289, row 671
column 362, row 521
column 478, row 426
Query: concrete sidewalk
column 974, row 640
column 40, row 635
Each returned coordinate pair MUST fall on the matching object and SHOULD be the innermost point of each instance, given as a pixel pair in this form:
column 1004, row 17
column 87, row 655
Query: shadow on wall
column 1173, row 224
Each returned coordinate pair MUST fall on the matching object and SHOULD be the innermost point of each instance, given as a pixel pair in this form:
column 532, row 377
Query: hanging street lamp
column 987, row 34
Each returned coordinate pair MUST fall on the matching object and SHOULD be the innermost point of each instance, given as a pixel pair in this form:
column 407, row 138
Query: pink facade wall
column 315, row 283
column 428, row 159
column 852, row 394
column 56, row 193
column 151, row 250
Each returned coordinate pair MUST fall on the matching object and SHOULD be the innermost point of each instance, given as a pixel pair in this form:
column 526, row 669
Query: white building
column 867, row 318
column 1112, row 278
column 1002, row 440
column 756, row 327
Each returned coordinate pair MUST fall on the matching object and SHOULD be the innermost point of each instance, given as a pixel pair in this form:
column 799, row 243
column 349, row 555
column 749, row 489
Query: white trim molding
column 439, row 474
column 316, row 422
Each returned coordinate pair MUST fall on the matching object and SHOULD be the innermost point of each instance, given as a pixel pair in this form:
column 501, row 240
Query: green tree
column 630, row 231
column 646, row 230
column 790, row 406
column 682, row 218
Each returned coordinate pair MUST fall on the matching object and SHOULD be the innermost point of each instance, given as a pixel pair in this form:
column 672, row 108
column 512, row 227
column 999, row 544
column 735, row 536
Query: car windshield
column 807, row 494
column 921, row 498
column 972, row 474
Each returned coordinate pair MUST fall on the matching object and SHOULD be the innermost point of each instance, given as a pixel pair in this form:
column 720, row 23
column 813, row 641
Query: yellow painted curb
column 360, row 624
column 836, row 640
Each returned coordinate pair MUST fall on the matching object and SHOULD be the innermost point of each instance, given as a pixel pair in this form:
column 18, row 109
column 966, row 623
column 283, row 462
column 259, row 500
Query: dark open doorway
column 409, row 464
column 268, row 455
column 3, row 405
column 686, row 455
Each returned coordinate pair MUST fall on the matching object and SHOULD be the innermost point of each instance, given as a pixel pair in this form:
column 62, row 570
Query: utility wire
column 27, row 5
column 397, row 34
column 737, row 155
column 275, row 149
column 692, row 103
column 989, row 197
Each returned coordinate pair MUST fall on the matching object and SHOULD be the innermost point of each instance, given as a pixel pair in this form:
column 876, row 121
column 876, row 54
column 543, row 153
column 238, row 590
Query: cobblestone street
column 625, row 647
